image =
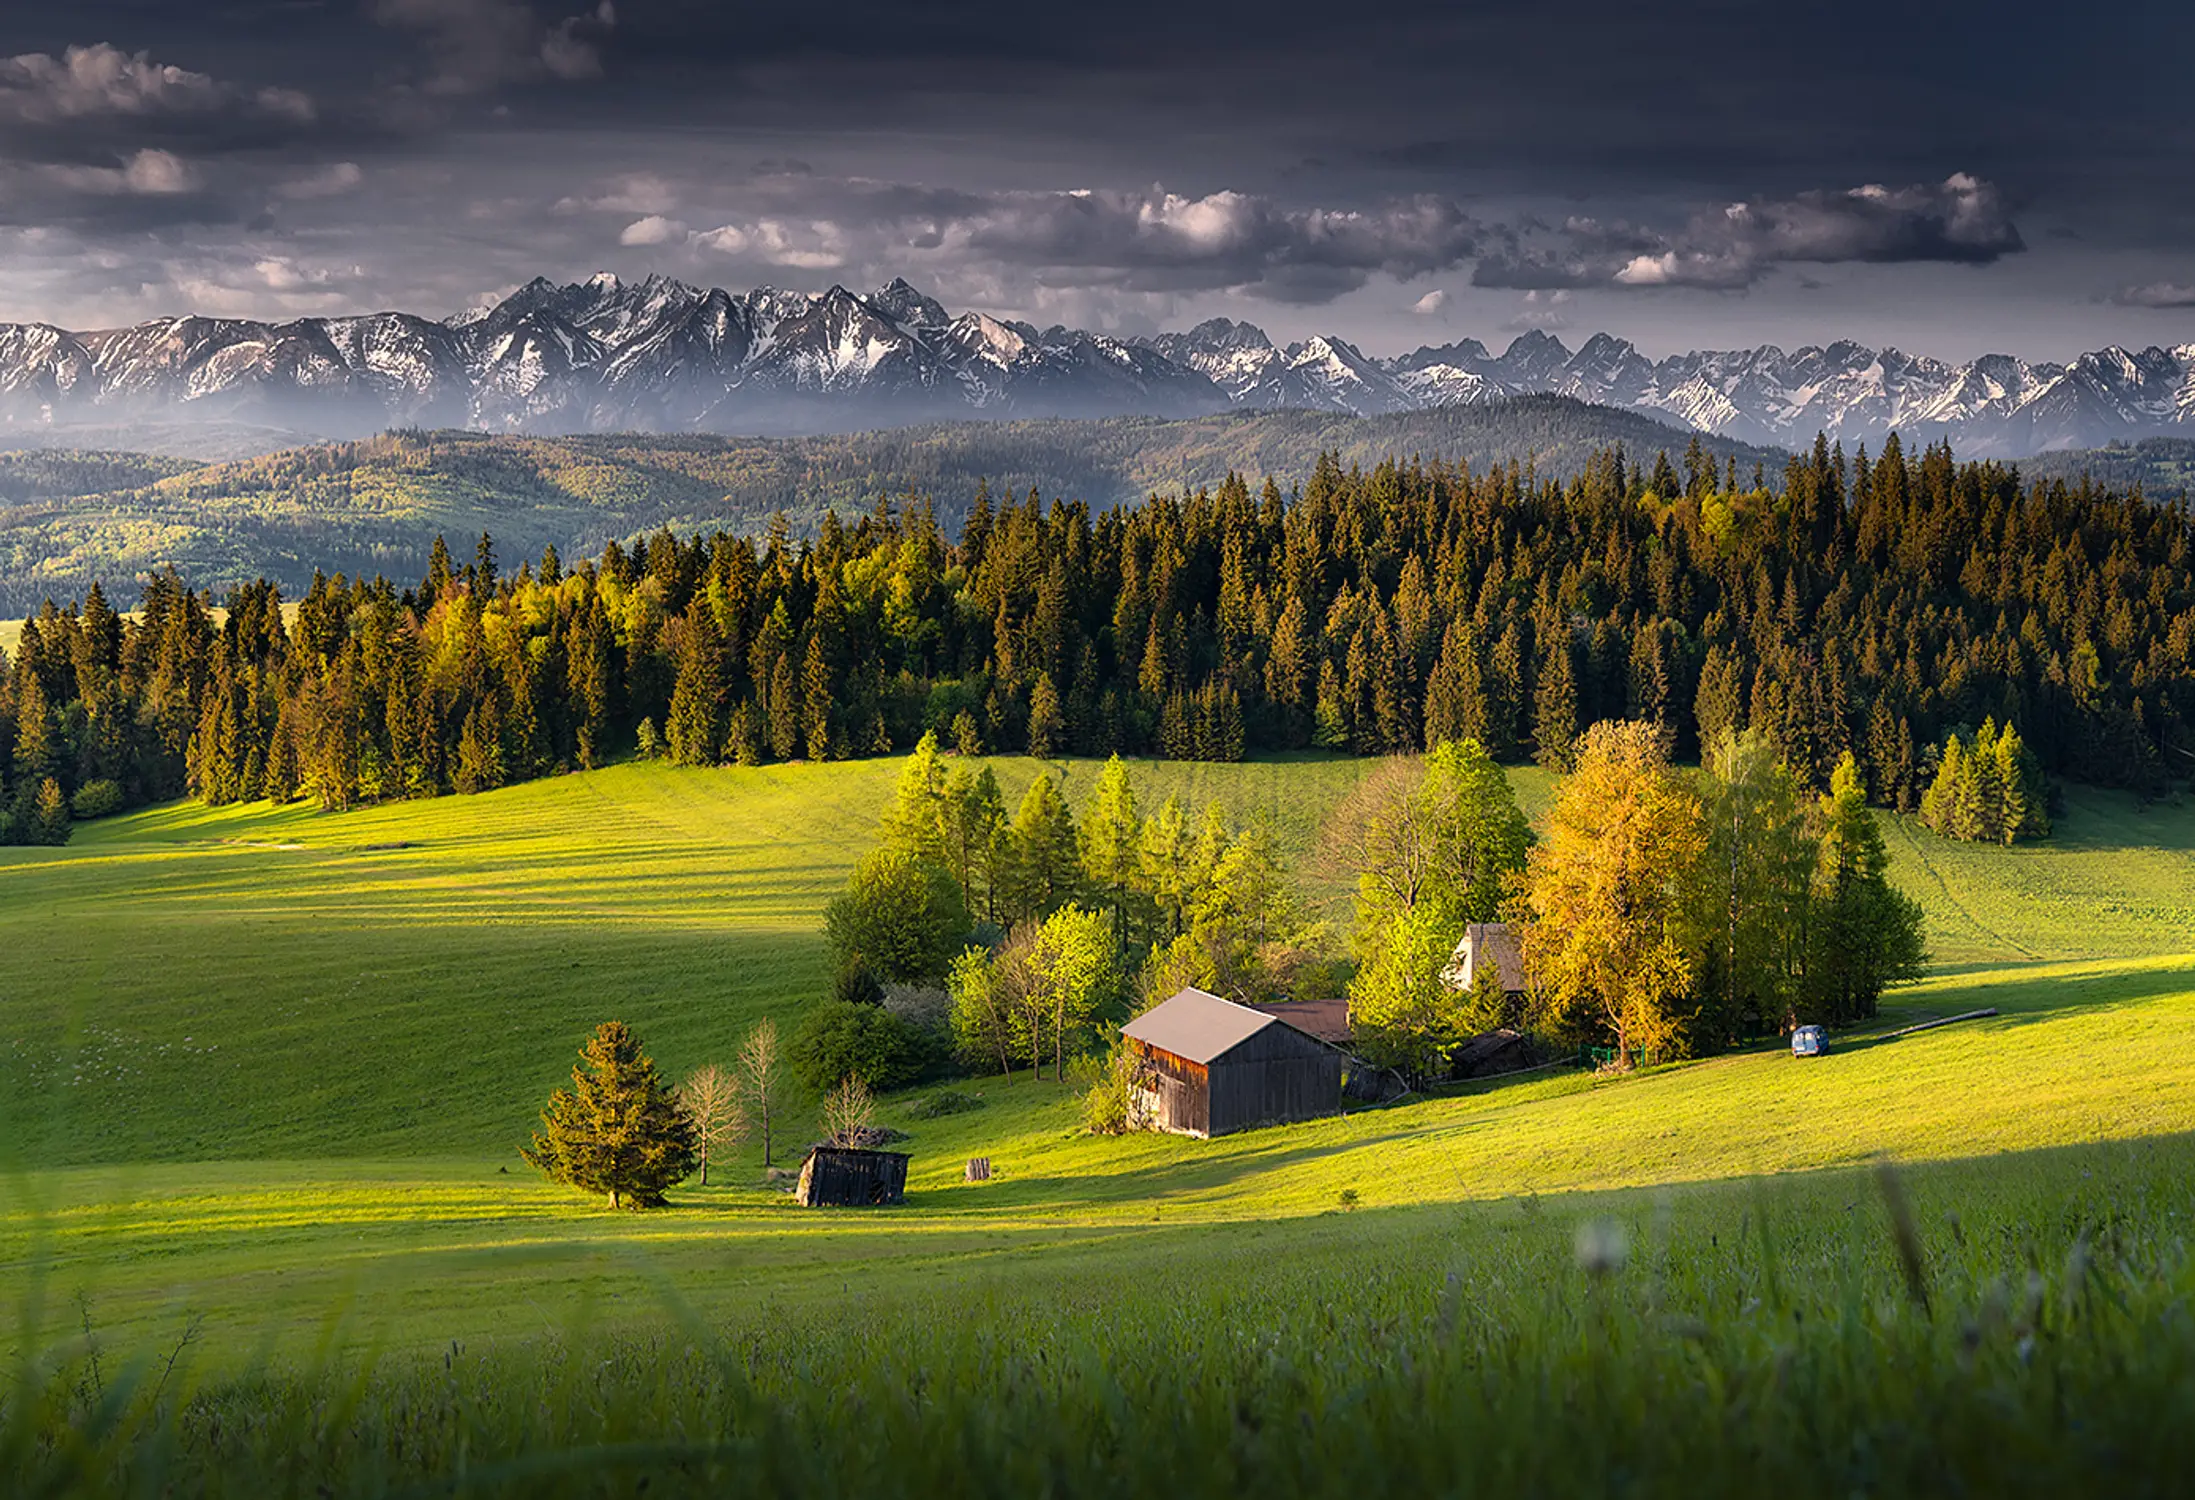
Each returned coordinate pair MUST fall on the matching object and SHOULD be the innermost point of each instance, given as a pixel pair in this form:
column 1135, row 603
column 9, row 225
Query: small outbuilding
column 1210, row 1066
column 841, row 1177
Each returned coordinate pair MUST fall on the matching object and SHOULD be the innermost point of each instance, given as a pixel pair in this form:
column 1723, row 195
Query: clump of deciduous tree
column 1605, row 890
column 1436, row 845
column 619, row 1130
column 1670, row 916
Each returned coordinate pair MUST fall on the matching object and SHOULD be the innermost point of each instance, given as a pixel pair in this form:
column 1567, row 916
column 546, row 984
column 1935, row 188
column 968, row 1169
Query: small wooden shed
column 1210, row 1066
column 841, row 1177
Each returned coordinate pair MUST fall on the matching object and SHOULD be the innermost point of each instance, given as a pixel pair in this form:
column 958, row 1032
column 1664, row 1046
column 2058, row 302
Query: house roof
column 1198, row 1027
column 1327, row 1018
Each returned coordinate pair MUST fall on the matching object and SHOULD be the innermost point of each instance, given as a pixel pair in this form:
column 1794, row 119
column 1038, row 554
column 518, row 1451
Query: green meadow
column 264, row 1072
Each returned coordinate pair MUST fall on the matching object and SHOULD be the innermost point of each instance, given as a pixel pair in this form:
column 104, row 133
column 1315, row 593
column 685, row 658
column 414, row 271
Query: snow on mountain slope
column 603, row 354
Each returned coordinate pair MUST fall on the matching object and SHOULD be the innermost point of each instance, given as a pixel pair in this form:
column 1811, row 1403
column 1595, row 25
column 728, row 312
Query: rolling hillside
column 377, row 505
column 264, row 1071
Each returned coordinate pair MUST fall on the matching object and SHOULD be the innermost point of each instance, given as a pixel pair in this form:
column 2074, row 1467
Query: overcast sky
column 1951, row 178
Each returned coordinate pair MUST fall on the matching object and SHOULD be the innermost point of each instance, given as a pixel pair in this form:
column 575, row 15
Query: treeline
column 1866, row 606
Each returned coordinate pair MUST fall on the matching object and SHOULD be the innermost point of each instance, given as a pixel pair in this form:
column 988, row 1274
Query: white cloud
column 148, row 173
column 1432, row 304
column 102, row 81
column 653, row 230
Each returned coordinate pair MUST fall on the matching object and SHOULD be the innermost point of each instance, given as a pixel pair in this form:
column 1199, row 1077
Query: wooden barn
column 840, row 1177
column 1211, row 1066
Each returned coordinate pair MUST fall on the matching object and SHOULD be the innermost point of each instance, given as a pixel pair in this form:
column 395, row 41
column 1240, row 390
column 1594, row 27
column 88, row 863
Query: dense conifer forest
column 1877, row 606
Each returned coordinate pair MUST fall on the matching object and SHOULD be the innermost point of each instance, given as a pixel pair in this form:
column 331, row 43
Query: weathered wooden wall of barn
column 1183, row 1090
column 1277, row 1075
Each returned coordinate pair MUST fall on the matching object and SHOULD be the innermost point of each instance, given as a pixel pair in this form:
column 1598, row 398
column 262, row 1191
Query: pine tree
column 1864, row 934
column 1046, row 725
column 818, row 695
column 785, row 708
column 619, row 1131
column 1555, row 703
column 694, row 729
column 915, row 822
column 50, row 822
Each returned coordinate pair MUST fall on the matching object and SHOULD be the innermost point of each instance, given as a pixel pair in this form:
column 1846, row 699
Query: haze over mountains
column 660, row 355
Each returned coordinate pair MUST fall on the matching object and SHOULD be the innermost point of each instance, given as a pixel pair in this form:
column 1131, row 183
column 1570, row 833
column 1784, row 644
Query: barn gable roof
column 1198, row 1027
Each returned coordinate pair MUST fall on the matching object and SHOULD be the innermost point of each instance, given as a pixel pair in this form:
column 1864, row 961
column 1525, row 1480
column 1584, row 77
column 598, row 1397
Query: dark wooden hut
column 1210, row 1066
column 840, row 1177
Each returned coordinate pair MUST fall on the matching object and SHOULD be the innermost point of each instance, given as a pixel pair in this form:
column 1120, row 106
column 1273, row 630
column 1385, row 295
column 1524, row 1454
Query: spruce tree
column 1046, row 724
column 694, row 729
column 1555, row 703
column 785, row 707
column 619, row 1130
column 50, row 815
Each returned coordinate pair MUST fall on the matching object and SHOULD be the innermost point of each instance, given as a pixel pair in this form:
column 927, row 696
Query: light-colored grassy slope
column 424, row 1251
column 190, row 983
column 359, row 1034
column 2117, row 879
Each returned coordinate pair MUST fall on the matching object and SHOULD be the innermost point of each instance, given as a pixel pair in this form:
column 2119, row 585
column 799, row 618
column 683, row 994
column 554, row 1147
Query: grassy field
column 264, row 1072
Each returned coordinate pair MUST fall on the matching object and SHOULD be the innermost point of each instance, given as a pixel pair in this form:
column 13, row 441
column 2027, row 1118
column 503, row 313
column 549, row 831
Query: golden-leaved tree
column 1604, row 893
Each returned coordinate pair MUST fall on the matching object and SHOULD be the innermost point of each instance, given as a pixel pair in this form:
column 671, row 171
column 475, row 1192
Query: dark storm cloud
column 1383, row 155
column 1147, row 241
column 1962, row 220
column 478, row 45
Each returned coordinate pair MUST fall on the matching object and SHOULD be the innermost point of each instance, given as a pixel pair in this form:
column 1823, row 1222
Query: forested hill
column 376, row 506
column 1873, row 607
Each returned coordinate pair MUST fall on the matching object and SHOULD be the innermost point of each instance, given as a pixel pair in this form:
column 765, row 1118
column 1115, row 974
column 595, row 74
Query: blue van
column 1809, row 1041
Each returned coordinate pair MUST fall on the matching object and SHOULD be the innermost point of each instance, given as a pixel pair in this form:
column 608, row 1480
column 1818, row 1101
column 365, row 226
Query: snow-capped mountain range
column 604, row 355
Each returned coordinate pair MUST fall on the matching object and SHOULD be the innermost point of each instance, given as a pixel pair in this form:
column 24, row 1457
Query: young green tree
column 1165, row 862
column 900, row 916
column 1749, row 900
column 1442, row 834
column 1112, row 848
column 981, row 1018
column 1864, row 934
column 1402, row 1014
column 1604, row 892
column 974, row 819
column 1045, row 862
column 914, row 822
column 619, row 1130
